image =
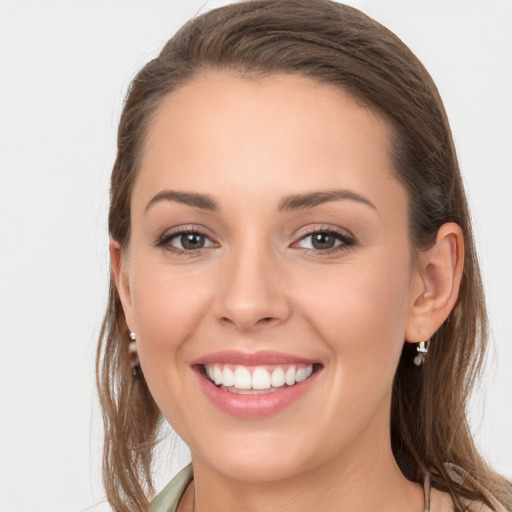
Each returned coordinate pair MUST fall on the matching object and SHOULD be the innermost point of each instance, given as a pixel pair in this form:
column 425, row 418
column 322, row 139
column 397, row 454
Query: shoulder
column 442, row 501
column 168, row 498
column 478, row 506
column 462, row 476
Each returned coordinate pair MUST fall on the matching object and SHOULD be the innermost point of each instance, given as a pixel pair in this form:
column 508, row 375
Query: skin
column 259, row 285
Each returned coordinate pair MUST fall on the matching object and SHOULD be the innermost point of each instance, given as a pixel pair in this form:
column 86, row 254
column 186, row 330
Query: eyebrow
column 288, row 203
column 202, row 201
column 311, row 199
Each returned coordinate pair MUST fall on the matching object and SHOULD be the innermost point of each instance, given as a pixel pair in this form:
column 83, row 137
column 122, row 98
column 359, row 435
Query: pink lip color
column 252, row 406
column 250, row 359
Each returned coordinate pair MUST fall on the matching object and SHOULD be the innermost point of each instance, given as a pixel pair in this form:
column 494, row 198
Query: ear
column 436, row 284
column 119, row 268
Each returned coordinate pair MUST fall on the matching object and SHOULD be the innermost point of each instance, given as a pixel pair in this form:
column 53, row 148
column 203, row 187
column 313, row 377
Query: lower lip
column 254, row 406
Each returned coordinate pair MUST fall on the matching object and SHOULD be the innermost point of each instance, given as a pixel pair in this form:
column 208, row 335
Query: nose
column 252, row 292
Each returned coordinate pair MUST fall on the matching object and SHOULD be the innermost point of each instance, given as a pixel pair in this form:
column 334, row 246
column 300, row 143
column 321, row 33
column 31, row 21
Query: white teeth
column 260, row 379
column 303, row 373
column 242, row 378
column 289, row 378
column 277, row 379
column 217, row 375
column 228, row 377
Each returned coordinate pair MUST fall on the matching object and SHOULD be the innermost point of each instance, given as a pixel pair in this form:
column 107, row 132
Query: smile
column 256, row 380
column 254, row 385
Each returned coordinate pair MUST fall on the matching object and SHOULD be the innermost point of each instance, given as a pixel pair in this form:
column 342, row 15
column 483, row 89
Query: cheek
column 360, row 312
column 167, row 307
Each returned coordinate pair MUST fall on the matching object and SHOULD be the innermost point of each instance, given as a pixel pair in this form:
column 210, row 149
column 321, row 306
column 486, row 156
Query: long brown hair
column 336, row 45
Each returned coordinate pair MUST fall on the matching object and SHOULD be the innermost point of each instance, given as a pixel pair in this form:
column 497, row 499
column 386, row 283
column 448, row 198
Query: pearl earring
column 134, row 355
column 422, row 349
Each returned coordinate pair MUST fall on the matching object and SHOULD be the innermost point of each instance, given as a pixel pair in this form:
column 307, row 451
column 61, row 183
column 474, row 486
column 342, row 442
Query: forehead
column 256, row 135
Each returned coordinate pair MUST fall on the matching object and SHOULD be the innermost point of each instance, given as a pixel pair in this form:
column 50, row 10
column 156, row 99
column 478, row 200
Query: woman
column 294, row 286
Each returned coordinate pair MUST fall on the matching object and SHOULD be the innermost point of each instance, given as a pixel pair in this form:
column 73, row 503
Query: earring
column 422, row 349
column 134, row 356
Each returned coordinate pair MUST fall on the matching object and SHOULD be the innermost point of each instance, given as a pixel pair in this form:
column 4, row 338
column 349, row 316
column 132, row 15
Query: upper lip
column 265, row 357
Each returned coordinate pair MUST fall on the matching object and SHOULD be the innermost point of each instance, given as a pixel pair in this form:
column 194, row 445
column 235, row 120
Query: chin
column 259, row 458
column 260, row 470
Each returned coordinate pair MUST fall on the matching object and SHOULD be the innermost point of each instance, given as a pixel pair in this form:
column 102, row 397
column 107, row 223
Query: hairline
column 393, row 135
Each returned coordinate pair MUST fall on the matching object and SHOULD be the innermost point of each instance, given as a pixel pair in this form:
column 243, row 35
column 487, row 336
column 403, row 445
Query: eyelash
column 346, row 241
column 165, row 239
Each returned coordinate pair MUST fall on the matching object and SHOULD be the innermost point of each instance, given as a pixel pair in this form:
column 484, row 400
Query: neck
column 365, row 479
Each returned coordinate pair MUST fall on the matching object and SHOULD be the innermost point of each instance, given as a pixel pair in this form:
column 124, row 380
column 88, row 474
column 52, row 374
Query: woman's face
column 269, row 240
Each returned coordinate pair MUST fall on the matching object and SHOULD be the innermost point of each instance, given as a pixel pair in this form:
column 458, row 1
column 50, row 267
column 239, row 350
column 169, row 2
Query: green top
column 169, row 498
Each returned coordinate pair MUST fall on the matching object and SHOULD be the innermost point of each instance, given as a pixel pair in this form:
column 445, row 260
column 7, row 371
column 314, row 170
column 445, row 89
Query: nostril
column 265, row 320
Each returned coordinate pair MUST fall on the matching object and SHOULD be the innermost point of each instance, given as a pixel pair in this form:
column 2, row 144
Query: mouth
column 255, row 385
column 257, row 380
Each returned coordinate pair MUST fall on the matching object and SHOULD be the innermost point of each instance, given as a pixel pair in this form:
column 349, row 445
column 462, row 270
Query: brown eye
column 185, row 241
column 325, row 241
column 191, row 241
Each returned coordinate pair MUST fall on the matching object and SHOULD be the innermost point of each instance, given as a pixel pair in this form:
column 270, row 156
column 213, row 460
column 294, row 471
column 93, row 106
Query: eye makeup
column 322, row 240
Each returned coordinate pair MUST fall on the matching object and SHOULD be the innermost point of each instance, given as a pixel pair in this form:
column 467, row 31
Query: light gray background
column 65, row 67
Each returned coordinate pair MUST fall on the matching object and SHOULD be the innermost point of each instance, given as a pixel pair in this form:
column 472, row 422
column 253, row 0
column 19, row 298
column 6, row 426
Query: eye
column 324, row 241
column 185, row 241
column 189, row 241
